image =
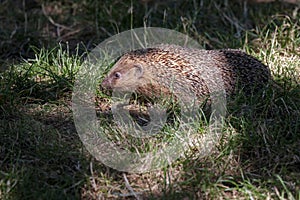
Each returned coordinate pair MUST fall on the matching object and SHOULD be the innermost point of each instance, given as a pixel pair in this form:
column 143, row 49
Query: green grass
column 41, row 155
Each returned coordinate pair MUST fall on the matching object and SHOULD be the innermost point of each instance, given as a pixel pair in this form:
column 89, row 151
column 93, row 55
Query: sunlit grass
column 41, row 155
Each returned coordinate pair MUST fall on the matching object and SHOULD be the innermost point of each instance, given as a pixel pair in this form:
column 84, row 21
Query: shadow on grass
column 40, row 158
column 41, row 155
column 260, row 157
column 43, row 23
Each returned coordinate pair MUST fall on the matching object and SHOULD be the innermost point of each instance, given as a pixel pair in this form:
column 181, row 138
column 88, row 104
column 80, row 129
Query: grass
column 43, row 44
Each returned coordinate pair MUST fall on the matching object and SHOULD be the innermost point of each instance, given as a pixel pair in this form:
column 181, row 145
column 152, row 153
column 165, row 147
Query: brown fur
column 151, row 71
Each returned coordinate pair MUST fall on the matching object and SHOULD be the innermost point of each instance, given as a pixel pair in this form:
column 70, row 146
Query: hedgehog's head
column 125, row 75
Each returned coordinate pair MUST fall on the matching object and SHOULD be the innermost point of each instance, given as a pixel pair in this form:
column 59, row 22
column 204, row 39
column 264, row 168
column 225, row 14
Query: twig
column 93, row 181
column 130, row 188
column 52, row 21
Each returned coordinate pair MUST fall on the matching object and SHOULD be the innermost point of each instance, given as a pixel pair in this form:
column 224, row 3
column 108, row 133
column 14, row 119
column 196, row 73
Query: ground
column 42, row 45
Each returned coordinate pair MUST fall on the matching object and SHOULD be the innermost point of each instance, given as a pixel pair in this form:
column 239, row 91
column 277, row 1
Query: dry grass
column 42, row 44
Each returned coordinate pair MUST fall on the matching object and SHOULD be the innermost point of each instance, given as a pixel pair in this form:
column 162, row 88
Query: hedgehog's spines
column 194, row 69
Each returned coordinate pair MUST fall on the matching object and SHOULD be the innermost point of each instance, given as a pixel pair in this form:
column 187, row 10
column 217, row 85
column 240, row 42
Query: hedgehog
column 168, row 69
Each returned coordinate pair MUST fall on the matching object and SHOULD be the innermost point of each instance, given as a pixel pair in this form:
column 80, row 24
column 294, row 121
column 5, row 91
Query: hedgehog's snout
column 106, row 84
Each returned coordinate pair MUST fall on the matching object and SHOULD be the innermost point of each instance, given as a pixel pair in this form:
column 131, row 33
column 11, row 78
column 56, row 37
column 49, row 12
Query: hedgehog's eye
column 117, row 75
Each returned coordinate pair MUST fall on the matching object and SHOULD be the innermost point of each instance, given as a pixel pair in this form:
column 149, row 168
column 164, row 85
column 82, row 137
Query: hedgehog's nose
column 106, row 84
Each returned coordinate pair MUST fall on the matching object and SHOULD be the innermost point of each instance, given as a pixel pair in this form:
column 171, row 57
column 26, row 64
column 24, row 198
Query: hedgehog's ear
column 139, row 71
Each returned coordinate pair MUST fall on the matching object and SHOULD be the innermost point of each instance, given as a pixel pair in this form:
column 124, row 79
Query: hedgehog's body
column 156, row 70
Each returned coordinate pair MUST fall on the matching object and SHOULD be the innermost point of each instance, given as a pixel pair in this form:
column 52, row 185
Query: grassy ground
column 42, row 45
